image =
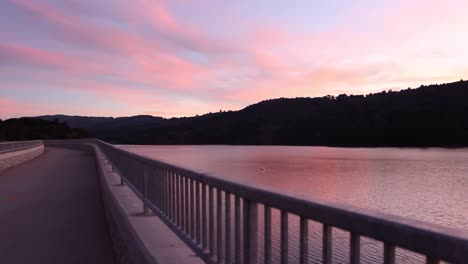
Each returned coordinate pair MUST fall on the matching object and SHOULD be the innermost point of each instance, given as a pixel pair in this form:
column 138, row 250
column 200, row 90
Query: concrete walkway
column 51, row 211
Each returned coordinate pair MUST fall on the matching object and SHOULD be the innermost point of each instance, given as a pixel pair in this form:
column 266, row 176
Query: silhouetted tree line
column 33, row 128
column 435, row 115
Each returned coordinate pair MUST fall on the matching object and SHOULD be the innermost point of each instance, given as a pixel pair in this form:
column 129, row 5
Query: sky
column 175, row 58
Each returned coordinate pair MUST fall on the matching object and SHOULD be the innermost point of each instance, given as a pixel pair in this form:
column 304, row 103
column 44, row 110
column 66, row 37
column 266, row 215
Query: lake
column 424, row 184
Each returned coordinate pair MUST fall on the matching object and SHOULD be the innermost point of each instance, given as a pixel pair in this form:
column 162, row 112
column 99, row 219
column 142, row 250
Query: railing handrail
column 432, row 240
column 21, row 141
column 10, row 146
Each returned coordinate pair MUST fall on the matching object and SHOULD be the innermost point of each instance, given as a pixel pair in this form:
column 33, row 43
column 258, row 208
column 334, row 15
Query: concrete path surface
column 51, row 211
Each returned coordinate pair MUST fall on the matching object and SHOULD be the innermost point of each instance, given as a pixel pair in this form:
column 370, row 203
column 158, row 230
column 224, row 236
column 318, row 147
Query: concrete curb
column 128, row 246
column 14, row 158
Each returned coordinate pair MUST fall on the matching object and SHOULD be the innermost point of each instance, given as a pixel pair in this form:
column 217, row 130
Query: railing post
column 187, row 207
column 171, row 196
column 211, row 222
column 389, row 253
column 179, row 200
column 219, row 226
column 145, row 191
column 431, row 260
column 304, row 241
column 327, row 244
column 122, row 180
column 284, row 237
column 267, row 234
column 237, row 230
column 355, row 249
column 166, row 194
column 204, row 221
column 198, row 211
column 192, row 210
column 250, row 232
column 227, row 203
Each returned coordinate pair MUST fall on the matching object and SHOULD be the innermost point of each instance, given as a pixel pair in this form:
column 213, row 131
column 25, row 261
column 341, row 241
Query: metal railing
column 18, row 145
column 197, row 207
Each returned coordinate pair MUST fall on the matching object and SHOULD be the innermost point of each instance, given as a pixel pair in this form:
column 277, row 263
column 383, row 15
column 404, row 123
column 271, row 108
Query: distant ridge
column 434, row 115
column 108, row 127
column 26, row 128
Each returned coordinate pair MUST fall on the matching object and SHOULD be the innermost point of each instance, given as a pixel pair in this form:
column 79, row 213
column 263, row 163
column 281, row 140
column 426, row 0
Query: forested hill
column 120, row 129
column 16, row 129
column 435, row 115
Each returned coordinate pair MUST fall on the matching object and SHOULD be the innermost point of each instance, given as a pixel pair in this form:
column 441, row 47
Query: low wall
column 13, row 158
column 128, row 246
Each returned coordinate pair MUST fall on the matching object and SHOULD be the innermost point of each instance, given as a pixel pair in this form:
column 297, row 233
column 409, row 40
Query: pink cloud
column 143, row 59
column 10, row 108
column 153, row 64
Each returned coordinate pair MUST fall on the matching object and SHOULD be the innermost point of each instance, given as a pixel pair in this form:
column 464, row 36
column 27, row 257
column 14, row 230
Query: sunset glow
column 186, row 57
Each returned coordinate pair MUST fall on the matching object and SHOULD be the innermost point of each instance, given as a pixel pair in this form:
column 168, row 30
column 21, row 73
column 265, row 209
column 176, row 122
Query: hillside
column 435, row 115
column 31, row 128
column 109, row 128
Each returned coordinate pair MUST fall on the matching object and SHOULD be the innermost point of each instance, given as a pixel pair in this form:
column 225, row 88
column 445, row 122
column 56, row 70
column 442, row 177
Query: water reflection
column 423, row 184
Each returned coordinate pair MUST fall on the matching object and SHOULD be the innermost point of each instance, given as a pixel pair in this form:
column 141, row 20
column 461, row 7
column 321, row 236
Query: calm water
column 424, row 184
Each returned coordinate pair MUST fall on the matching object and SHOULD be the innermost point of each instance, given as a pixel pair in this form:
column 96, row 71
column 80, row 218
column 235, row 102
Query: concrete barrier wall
column 136, row 238
column 126, row 244
column 13, row 158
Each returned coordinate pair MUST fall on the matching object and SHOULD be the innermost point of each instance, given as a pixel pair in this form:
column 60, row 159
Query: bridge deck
column 51, row 211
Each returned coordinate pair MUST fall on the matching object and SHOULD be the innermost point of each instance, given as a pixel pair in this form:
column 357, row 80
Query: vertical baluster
column 389, row 253
column 145, row 191
column 250, row 227
column 284, row 237
column 149, row 184
column 181, row 202
column 355, row 251
column 327, row 244
column 175, row 206
column 267, row 234
column 431, row 260
column 227, row 204
column 177, row 198
column 237, row 230
column 157, row 189
column 219, row 225
column 181, row 196
column 171, row 196
column 304, row 241
column 212, row 222
column 122, row 180
column 160, row 181
column 161, row 189
column 197, row 201
column 174, row 198
column 165, row 211
column 186, row 206
column 168, row 194
column 192, row 210
column 204, row 220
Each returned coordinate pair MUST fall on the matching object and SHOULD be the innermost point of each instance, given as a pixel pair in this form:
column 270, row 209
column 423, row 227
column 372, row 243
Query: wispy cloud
column 158, row 57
